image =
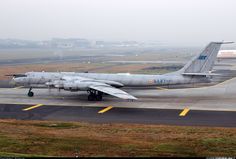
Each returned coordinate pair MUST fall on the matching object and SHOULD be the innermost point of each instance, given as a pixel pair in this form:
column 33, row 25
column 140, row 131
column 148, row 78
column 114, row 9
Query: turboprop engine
column 76, row 86
column 80, row 85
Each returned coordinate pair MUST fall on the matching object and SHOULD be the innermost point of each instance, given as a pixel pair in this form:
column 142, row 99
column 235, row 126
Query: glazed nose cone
column 12, row 82
column 17, row 80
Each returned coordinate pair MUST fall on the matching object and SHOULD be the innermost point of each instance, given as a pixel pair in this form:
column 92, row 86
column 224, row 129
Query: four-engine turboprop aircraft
column 96, row 84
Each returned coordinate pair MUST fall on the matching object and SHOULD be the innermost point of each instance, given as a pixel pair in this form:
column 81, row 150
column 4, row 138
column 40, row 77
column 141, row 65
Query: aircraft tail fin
column 203, row 62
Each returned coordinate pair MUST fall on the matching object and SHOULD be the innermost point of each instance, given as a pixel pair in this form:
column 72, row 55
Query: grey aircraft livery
column 198, row 70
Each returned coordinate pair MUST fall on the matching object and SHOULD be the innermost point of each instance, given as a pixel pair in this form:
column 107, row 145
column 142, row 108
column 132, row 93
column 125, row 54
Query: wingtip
column 223, row 42
column 133, row 98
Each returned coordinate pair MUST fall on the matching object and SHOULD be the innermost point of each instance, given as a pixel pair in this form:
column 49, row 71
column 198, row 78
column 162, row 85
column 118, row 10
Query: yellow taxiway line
column 18, row 87
column 184, row 112
column 105, row 110
column 32, row 107
column 161, row 88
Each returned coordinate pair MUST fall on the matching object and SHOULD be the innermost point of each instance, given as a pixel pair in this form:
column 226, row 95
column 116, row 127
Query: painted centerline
column 32, row 107
column 18, row 87
column 184, row 112
column 161, row 88
column 105, row 110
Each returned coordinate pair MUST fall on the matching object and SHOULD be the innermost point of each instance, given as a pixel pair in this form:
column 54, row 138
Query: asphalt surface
column 205, row 106
column 120, row 115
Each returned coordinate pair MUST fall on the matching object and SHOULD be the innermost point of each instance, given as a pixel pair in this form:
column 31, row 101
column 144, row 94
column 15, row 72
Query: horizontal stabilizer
column 224, row 42
column 200, row 74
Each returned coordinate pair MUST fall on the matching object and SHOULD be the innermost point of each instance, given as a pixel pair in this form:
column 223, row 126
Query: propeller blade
column 15, row 75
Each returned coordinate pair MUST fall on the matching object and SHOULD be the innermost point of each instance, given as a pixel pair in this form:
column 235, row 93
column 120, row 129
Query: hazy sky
column 174, row 21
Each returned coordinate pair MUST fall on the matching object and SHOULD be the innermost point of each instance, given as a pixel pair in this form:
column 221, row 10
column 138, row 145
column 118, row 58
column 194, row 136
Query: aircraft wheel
column 99, row 97
column 95, row 96
column 31, row 94
column 90, row 97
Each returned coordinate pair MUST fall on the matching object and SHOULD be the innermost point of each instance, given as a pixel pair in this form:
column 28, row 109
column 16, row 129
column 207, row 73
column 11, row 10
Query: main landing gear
column 30, row 93
column 94, row 95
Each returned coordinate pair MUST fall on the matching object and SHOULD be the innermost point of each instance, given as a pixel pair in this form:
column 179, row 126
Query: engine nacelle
column 76, row 86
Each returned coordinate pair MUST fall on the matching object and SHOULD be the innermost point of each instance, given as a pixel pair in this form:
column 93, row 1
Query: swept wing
column 77, row 83
column 112, row 91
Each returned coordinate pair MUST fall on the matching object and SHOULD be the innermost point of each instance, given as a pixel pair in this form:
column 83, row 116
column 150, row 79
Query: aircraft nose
column 12, row 82
column 17, row 80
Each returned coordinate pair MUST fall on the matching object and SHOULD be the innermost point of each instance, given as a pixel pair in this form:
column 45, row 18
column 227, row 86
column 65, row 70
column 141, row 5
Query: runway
column 119, row 115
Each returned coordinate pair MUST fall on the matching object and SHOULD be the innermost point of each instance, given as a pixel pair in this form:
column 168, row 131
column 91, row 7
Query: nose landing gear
column 30, row 93
column 94, row 95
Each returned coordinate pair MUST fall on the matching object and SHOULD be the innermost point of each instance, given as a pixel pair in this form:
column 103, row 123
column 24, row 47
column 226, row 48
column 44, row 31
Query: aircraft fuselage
column 128, row 80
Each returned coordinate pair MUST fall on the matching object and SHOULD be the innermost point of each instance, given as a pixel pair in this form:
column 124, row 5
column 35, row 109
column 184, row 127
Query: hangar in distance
column 197, row 70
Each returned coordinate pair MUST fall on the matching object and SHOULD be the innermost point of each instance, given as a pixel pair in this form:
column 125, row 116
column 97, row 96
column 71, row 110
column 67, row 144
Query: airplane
column 197, row 70
column 230, row 54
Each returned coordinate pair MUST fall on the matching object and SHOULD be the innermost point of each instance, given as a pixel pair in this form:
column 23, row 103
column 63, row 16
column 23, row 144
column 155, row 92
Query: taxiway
column 207, row 106
column 185, row 117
